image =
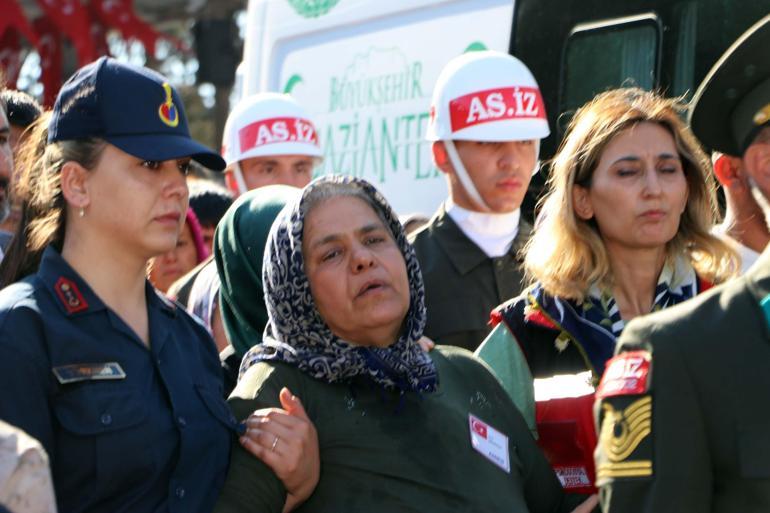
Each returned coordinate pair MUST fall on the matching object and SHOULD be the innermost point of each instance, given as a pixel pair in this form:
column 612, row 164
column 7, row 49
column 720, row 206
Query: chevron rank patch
column 625, row 446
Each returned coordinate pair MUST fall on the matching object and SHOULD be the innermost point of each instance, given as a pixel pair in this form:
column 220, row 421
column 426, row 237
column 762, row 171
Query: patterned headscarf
column 296, row 334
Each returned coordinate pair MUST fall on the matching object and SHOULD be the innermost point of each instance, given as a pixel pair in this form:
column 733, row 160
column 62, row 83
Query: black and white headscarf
column 296, row 334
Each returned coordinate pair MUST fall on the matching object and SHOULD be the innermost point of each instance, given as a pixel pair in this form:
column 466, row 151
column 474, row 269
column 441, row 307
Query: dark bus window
column 601, row 56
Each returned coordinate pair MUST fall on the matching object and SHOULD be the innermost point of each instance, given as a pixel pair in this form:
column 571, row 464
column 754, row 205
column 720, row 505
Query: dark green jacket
column 697, row 436
column 462, row 284
column 384, row 453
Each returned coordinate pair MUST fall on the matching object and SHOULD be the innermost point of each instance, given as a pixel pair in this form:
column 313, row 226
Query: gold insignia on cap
column 621, row 433
column 167, row 111
column 762, row 116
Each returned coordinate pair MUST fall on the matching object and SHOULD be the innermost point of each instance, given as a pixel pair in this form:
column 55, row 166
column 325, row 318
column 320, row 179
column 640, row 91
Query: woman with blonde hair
column 624, row 230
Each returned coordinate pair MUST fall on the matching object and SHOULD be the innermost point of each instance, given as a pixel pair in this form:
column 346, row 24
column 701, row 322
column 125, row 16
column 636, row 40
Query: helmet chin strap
column 239, row 181
column 465, row 178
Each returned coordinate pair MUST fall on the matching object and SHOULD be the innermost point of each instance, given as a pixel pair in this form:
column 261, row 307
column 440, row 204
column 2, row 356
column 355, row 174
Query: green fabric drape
column 239, row 245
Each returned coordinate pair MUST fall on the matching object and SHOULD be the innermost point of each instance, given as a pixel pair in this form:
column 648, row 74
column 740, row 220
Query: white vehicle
column 365, row 69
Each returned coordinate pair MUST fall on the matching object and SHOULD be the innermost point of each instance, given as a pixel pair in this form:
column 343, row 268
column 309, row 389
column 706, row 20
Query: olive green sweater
column 381, row 452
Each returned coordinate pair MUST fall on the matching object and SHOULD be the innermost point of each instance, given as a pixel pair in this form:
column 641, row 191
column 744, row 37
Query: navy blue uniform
column 126, row 427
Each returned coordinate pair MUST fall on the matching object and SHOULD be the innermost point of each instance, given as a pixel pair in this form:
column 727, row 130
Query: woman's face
column 165, row 269
column 638, row 191
column 356, row 271
column 135, row 204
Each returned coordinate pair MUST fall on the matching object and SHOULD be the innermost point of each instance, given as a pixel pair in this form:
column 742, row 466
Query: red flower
column 495, row 318
column 536, row 316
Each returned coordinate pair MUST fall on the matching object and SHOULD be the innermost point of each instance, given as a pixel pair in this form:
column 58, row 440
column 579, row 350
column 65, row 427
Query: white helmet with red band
column 487, row 96
column 268, row 124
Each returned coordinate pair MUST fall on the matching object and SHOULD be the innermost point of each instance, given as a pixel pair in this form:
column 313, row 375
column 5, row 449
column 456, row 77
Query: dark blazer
column 462, row 284
column 695, row 434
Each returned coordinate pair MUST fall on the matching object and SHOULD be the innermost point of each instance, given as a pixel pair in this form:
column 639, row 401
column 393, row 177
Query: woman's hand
column 286, row 440
column 587, row 505
column 426, row 344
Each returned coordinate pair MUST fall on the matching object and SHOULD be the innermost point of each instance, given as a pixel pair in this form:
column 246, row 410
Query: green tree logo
column 313, row 8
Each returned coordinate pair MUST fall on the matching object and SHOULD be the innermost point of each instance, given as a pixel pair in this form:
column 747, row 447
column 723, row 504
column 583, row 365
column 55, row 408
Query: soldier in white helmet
column 269, row 140
column 487, row 119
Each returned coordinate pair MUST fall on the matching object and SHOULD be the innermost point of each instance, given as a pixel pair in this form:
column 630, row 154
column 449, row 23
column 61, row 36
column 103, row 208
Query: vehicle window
column 603, row 55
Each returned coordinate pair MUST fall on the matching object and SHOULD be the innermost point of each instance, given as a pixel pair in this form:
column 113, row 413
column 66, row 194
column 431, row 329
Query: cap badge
column 762, row 116
column 167, row 110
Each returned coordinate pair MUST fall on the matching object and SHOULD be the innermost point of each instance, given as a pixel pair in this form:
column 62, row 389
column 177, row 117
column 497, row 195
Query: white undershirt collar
column 493, row 233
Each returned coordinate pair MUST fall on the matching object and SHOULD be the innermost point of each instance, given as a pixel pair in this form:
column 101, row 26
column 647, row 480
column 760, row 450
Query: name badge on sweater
column 491, row 443
column 88, row 371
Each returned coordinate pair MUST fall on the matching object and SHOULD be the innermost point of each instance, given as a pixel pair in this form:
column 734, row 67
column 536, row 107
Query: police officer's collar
column 733, row 102
column 73, row 295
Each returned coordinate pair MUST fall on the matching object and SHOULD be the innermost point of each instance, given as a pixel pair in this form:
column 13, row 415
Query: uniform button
column 179, row 492
column 158, row 361
column 106, row 419
column 182, row 421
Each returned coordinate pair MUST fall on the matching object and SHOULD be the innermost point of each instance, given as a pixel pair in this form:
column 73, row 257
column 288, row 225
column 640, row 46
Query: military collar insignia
column 167, row 111
column 70, row 296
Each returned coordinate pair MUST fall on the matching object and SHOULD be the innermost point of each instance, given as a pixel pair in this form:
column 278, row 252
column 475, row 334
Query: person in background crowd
column 624, row 230
column 25, row 477
column 6, row 174
column 399, row 428
column 413, row 222
column 121, row 388
column 744, row 223
column 22, row 111
column 190, row 250
column 487, row 119
column 681, row 408
column 209, row 201
column 238, row 250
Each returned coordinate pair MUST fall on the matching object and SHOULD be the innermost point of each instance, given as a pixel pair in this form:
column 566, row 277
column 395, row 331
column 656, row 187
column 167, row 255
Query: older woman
column 624, row 230
column 398, row 428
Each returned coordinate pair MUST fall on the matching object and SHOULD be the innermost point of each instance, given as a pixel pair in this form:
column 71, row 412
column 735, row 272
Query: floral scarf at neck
column 297, row 335
column 595, row 324
column 677, row 282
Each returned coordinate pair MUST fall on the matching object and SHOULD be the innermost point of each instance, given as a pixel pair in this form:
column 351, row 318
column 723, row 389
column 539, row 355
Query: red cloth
column 120, row 15
column 10, row 56
column 50, row 49
column 72, row 20
column 567, row 436
column 13, row 18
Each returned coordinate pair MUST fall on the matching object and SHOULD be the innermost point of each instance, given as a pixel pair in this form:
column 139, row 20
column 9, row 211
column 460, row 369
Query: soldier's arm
column 652, row 455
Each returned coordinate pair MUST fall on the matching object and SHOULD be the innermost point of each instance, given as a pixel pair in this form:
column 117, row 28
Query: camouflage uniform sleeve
column 652, row 455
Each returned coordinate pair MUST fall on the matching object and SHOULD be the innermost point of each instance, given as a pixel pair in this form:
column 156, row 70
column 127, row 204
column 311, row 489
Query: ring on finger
column 275, row 443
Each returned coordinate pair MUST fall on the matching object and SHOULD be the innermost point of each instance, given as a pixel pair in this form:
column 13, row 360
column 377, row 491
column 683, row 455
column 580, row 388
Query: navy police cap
column 130, row 107
column 733, row 102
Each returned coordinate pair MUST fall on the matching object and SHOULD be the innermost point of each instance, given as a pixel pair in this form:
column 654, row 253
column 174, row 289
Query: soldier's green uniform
column 684, row 423
column 462, row 284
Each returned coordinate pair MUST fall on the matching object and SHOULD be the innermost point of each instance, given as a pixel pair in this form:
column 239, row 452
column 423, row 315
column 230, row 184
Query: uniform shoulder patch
column 626, row 374
column 624, row 450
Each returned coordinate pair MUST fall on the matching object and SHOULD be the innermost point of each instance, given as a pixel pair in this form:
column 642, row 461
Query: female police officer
column 121, row 387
